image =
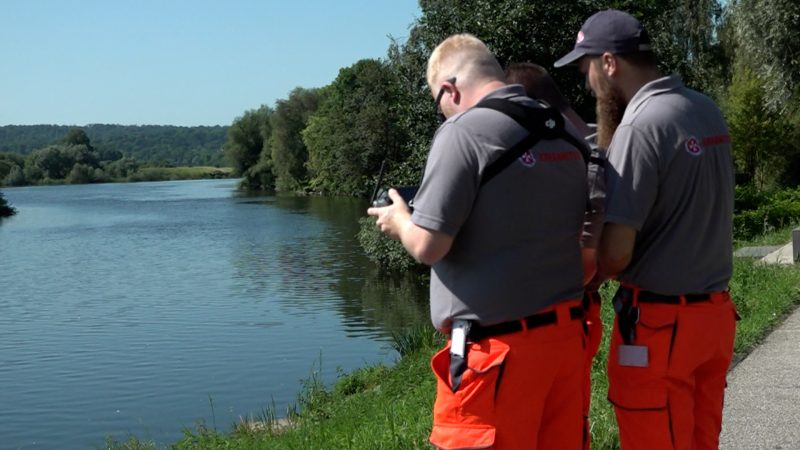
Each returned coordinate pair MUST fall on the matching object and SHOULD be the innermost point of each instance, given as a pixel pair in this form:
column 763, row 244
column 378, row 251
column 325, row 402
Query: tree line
column 161, row 144
column 75, row 160
column 333, row 140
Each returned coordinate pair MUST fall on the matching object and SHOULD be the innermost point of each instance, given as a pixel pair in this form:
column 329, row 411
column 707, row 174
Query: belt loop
column 524, row 323
column 683, row 300
column 721, row 297
column 562, row 314
column 634, row 290
column 635, row 297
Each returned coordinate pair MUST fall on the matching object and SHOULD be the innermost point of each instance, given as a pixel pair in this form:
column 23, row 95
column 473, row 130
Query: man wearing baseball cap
column 667, row 239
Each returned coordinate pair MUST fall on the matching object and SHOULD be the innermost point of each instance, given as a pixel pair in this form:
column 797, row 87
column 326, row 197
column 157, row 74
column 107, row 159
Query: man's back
column 517, row 245
column 678, row 137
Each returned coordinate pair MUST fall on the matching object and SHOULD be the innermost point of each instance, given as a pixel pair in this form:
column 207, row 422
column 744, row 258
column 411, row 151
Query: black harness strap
column 541, row 123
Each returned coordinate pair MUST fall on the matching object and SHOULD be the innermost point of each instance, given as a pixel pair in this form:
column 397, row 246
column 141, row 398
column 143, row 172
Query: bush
column 6, row 210
column 763, row 139
column 387, row 253
column 757, row 212
column 80, row 174
column 15, row 177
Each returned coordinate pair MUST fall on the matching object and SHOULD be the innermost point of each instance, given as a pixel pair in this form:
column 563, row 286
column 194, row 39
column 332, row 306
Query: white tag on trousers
column 458, row 338
column 633, row 356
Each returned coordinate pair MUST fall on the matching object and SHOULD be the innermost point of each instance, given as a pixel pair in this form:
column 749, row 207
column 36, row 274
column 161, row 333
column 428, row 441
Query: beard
column 610, row 109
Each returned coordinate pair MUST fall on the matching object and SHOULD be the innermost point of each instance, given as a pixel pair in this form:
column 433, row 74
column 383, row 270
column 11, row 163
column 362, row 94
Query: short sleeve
column 450, row 183
column 632, row 177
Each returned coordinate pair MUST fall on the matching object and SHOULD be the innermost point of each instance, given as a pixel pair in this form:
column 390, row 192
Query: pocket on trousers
column 465, row 418
column 651, row 397
column 644, row 388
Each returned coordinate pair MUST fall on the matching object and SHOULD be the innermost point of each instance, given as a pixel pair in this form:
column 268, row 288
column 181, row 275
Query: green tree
column 765, row 39
column 120, row 169
column 8, row 161
column 260, row 177
column 246, row 137
column 289, row 153
column 15, row 177
column 50, row 162
column 354, row 129
column 76, row 136
column 108, row 154
column 763, row 107
column 81, row 154
column 80, row 174
column 178, row 145
column 755, row 130
column 685, row 37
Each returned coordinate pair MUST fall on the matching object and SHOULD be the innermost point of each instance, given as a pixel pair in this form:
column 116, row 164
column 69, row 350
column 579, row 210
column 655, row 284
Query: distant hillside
column 181, row 146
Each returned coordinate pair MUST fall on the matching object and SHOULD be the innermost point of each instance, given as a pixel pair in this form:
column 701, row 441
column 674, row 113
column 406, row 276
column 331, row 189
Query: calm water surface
column 143, row 308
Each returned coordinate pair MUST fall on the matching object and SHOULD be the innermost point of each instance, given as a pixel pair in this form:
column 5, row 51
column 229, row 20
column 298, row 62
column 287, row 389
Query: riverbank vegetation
column 75, row 160
column 6, row 210
column 153, row 144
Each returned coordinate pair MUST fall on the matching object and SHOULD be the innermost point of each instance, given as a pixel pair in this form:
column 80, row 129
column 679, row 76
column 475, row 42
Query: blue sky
column 179, row 62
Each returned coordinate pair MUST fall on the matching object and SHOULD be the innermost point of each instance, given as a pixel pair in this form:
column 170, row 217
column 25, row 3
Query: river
column 143, row 308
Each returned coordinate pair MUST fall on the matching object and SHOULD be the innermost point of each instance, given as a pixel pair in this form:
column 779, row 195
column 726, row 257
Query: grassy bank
column 180, row 173
column 390, row 407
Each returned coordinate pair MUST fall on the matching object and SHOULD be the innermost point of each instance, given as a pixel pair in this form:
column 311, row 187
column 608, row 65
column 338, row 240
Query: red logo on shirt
column 527, row 159
column 716, row 140
column 693, row 147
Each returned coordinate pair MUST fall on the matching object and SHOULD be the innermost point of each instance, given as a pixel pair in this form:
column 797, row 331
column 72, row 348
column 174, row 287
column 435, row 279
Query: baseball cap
column 610, row 31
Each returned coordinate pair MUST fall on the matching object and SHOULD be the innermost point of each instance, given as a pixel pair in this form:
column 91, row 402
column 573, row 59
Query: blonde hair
column 465, row 57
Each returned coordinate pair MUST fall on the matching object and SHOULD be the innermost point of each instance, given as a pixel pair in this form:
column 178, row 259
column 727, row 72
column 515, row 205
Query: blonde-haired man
column 506, row 276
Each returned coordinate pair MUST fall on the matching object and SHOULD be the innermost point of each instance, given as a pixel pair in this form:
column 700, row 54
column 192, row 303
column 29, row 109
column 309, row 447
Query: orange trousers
column 675, row 403
column 594, row 334
column 521, row 391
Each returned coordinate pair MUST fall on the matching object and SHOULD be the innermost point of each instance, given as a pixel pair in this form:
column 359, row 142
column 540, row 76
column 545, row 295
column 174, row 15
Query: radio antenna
column 378, row 183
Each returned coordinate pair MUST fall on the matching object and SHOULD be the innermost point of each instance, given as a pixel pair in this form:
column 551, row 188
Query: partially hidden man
column 540, row 85
column 506, row 277
column 667, row 239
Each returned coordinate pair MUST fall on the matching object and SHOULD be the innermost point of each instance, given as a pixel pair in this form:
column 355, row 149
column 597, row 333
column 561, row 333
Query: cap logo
column 527, row 159
column 580, row 37
column 693, row 147
column 550, row 124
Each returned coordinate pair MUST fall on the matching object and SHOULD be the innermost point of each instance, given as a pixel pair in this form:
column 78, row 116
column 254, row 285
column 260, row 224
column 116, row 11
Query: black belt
column 478, row 332
column 591, row 297
column 652, row 297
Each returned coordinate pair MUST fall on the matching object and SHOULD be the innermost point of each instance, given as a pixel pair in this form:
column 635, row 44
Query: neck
column 471, row 97
column 636, row 80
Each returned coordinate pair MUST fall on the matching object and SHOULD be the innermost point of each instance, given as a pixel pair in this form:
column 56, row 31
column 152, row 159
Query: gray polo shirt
column 671, row 177
column 516, row 248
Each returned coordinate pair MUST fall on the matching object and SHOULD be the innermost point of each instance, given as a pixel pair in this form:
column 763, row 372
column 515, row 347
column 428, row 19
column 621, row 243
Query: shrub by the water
column 6, row 210
column 387, row 253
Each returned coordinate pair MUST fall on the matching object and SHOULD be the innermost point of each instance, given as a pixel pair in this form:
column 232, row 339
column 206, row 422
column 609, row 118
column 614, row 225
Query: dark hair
column 538, row 84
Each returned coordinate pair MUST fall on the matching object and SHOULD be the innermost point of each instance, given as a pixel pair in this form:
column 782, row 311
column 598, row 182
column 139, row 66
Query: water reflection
column 124, row 308
column 318, row 261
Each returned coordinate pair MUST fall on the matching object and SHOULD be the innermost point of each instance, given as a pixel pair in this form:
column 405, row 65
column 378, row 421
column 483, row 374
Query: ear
column 609, row 63
column 456, row 93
